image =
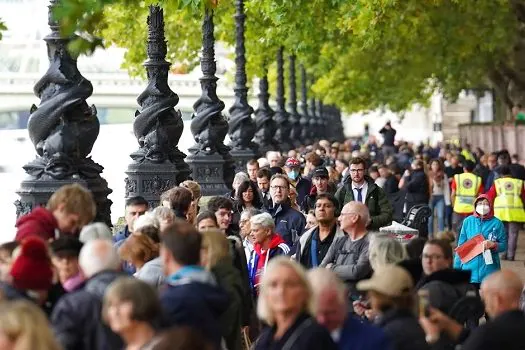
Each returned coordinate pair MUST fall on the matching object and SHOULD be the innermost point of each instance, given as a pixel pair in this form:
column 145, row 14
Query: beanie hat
column 32, row 268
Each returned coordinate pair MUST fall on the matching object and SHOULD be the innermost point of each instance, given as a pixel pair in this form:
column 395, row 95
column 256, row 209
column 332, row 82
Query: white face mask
column 482, row 209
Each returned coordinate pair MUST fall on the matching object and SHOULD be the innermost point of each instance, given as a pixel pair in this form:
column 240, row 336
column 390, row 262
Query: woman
column 247, row 197
column 165, row 216
column 383, row 251
column 483, row 223
column 130, row 308
column 215, row 257
column 439, row 195
column 311, row 220
column 267, row 245
column 285, row 305
column 245, row 230
column 195, row 189
column 24, row 326
column 391, row 295
column 293, row 198
column 239, row 178
column 206, row 220
column 65, row 251
column 415, row 183
column 141, row 252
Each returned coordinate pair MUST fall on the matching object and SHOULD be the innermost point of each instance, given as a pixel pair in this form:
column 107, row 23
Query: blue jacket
column 191, row 298
column 358, row 335
column 472, row 226
column 121, row 235
column 119, row 240
column 289, row 223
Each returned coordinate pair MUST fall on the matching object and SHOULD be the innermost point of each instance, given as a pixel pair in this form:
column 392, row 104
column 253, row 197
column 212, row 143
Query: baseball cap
column 320, row 171
column 390, row 280
column 66, row 246
column 292, row 163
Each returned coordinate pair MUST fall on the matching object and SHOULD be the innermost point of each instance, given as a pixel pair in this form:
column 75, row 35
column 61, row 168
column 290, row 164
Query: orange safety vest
column 508, row 205
column 467, row 185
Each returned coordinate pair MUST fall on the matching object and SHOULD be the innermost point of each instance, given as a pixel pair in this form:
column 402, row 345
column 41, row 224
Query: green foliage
column 364, row 54
column 2, row 28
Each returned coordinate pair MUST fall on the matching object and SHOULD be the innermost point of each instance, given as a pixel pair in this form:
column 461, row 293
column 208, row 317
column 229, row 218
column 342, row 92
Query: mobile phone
column 423, row 303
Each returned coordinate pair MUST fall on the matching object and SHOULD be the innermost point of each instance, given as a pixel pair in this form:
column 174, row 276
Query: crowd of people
column 291, row 258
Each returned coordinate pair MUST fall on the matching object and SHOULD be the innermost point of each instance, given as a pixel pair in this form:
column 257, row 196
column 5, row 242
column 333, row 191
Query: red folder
column 470, row 249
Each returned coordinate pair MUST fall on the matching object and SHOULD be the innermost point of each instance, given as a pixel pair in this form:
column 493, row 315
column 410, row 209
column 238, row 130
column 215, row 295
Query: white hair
column 263, row 309
column 248, row 213
column 385, row 250
column 96, row 230
column 163, row 213
column 264, row 220
column 263, row 163
column 322, row 279
column 240, row 177
column 98, row 255
column 148, row 219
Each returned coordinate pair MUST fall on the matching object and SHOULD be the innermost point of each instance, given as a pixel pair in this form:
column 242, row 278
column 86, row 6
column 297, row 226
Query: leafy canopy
column 364, row 54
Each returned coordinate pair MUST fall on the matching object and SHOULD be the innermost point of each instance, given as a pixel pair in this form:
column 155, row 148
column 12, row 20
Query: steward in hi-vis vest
column 465, row 191
column 508, row 195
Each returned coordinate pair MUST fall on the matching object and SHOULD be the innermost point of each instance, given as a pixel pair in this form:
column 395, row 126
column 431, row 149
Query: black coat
column 417, row 189
column 403, row 330
column 505, row 331
column 304, row 334
column 77, row 317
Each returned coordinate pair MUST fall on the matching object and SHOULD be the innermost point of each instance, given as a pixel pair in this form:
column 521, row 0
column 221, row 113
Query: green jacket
column 229, row 278
column 376, row 200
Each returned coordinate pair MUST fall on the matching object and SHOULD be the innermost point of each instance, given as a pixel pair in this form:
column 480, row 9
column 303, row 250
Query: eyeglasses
column 281, row 188
column 357, row 170
column 432, row 256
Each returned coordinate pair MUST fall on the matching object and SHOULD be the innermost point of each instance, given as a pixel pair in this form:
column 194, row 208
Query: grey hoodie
column 151, row 272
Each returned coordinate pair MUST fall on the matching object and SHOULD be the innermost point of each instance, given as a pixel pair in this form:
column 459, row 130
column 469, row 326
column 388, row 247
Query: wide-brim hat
column 390, row 280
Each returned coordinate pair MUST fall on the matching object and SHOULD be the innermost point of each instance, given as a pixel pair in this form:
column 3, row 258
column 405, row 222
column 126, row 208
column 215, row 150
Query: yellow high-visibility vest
column 467, row 185
column 508, row 205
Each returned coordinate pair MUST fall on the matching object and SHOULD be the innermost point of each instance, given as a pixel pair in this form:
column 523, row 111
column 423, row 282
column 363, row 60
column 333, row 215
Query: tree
column 364, row 54
column 2, row 28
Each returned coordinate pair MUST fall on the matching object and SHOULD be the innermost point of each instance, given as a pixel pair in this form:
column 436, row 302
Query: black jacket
column 77, row 317
column 417, row 189
column 289, row 223
column 304, row 334
column 505, row 331
column 389, row 136
column 403, row 330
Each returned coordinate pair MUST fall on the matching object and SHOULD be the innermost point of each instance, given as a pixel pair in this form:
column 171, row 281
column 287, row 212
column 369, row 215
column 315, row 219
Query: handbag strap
column 295, row 335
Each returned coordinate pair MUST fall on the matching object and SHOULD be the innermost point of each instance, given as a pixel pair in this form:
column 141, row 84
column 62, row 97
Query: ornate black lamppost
column 158, row 164
column 321, row 120
column 284, row 126
column 210, row 160
column 312, row 122
column 266, row 126
column 304, row 120
column 292, row 107
column 63, row 130
column 241, row 125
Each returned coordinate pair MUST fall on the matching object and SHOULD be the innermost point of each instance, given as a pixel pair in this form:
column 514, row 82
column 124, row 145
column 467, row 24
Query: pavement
column 518, row 265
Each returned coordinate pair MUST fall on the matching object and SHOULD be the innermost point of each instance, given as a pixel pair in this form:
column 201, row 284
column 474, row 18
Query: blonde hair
column 216, row 245
column 27, row 326
column 385, row 250
column 263, row 310
column 76, row 200
column 194, row 187
column 138, row 248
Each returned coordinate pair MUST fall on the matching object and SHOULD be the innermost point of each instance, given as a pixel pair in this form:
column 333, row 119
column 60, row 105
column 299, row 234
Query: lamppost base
column 36, row 192
column 212, row 172
column 242, row 157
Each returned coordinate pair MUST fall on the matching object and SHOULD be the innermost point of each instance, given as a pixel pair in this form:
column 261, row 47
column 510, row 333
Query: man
column 343, row 169
column 251, row 168
column 263, row 183
column 501, row 295
column 314, row 243
column 348, row 255
column 465, row 188
column 191, row 297
column 67, row 211
column 492, row 163
column 391, row 183
column 179, row 200
column 517, row 170
column 77, row 317
column 320, row 186
column 508, row 194
column 389, row 136
column 223, row 210
column 312, row 160
column 331, row 312
column 454, row 168
column 289, row 223
column 292, row 167
column 135, row 207
column 274, row 158
column 359, row 187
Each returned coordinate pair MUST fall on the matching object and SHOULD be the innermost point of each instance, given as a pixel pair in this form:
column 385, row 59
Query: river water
column 111, row 150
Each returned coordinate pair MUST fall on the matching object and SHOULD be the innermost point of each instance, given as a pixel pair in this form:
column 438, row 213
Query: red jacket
column 40, row 222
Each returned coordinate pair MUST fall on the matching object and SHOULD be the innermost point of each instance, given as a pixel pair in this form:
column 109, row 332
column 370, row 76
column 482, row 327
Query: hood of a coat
column 39, row 219
column 490, row 215
column 274, row 242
